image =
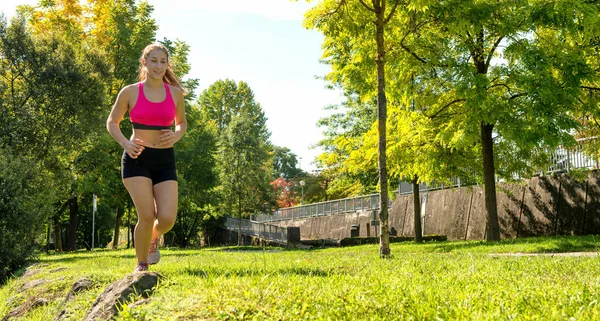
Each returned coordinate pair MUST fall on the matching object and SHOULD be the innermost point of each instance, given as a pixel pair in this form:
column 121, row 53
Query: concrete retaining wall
column 330, row 227
column 548, row 205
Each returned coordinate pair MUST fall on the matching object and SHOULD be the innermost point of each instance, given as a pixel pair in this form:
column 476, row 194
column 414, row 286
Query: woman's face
column 156, row 64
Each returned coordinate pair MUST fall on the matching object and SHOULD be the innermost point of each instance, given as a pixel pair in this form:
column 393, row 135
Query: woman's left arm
column 171, row 137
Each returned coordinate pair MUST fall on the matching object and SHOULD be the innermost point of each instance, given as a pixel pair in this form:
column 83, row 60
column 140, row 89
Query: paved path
column 549, row 254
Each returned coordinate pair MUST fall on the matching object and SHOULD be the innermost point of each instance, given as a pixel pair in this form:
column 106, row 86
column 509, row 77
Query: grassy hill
column 433, row 281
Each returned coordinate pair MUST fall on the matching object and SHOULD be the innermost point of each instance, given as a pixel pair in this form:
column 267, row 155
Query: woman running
column 148, row 162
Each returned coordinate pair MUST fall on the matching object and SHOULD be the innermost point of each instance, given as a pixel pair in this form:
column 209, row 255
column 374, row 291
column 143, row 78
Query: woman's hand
column 134, row 147
column 168, row 138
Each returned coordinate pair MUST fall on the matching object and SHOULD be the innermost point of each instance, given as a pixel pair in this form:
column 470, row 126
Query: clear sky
column 261, row 42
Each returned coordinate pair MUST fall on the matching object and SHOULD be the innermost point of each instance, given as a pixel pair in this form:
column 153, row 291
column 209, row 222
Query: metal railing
column 563, row 159
column 346, row 205
column 262, row 230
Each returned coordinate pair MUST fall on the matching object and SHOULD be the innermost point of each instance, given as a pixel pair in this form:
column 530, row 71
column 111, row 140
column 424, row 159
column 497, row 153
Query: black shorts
column 158, row 164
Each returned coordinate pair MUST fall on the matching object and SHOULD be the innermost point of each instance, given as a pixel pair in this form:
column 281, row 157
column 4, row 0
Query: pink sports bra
column 150, row 115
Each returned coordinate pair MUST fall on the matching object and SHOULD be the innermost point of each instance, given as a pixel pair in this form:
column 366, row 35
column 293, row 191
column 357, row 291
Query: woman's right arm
column 133, row 148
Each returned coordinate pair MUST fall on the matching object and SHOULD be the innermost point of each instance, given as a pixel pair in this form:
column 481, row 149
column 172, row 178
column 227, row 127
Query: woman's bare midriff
column 149, row 137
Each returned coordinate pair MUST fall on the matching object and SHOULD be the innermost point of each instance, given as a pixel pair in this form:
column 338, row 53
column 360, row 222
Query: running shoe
column 154, row 253
column 141, row 267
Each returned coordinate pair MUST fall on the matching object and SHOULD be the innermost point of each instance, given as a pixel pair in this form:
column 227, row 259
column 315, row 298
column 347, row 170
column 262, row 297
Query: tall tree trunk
column 492, row 225
column 384, row 240
column 417, row 207
column 117, row 227
column 72, row 236
column 128, row 228
column 188, row 234
column 48, row 231
column 132, row 232
column 239, row 234
column 239, row 195
column 487, row 150
column 57, row 234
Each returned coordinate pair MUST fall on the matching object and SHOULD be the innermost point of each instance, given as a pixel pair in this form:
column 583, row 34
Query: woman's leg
column 142, row 194
column 165, row 196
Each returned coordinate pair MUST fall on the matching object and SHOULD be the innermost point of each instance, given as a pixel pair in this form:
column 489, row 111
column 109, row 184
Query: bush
column 24, row 205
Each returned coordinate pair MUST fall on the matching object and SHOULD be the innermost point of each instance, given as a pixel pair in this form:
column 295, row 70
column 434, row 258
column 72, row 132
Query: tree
column 109, row 35
column 62, row 18
column 224, row 99
column 195, row 154
column 315, row 188
column 98, row 172
column 284, row 163
column 588, row 116
column 116, row 31
column 53, row 97
column 121, row 29
column 444, row 58
column 519, row 98
column 179, row 52
column 50, row 84
column 245, row 170
column 325, row 17
column 24, row 204
column 197, row 175
column 245, row 155
column 343, row 133
column 285, row 176
column 286, row 195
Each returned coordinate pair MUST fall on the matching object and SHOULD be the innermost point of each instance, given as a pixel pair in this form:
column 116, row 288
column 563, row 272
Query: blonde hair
column 169, row 77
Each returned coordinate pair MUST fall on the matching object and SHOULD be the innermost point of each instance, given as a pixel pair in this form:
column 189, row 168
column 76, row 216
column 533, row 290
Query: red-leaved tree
column 286, row 196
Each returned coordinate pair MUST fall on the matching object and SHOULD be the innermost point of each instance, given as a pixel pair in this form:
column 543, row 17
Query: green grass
column 433, row 281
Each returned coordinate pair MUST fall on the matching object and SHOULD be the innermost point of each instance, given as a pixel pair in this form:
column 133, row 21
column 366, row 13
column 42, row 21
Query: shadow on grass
column 272, row 249
column 558, row 244
column 301, row 271
column 70, row 257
